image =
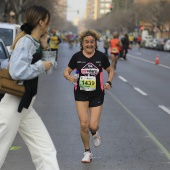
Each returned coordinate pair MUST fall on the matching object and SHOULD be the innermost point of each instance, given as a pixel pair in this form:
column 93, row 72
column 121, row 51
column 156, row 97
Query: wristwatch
column 109, row 83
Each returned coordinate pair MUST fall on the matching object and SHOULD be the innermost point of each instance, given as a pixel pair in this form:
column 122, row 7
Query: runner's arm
column 67, row 72
column 110, row 72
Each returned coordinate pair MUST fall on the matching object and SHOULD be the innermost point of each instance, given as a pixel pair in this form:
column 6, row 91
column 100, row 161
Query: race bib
column 87, row 83
column 115, row 50
column 53, row 43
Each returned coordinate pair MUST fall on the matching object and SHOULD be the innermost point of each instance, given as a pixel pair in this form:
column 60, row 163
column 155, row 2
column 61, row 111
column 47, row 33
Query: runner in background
column 139, row 41
column 115, row 46
column 125, row 44
column 54, row 41
column 106, row 46
column 131, row 39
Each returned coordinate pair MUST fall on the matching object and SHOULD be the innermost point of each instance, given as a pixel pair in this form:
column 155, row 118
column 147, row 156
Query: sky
column 73, row 6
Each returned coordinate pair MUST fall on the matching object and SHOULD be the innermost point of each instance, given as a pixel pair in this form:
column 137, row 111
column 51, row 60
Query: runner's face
column 89, row 44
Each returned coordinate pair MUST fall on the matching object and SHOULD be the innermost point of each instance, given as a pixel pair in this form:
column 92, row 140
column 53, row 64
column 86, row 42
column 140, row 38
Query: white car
column 148, row 43
column 166, row 46
column 153, row 44
column 8, row 33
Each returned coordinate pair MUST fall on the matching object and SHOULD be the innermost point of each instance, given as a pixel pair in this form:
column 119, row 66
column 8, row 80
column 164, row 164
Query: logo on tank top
column 90, row 69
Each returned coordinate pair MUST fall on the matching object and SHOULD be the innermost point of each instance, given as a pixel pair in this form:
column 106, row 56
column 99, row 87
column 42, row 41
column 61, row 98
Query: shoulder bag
column 8, row 85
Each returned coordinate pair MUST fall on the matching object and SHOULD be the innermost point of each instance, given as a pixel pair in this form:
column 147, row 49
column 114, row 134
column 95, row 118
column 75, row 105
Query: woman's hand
column 43, row 40
column 72, row 79
column 107, row 86
column 47, row 65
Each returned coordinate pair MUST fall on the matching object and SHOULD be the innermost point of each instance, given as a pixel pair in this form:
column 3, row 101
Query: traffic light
column 141, row 28
column 77, row 11
column 111, row 7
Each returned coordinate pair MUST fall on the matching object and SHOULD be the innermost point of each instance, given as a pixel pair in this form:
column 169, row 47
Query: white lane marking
column 164, row 66
column 164, row 108
column 148, row 61
column 123, row 79
column 141, row 59
column 140, row 91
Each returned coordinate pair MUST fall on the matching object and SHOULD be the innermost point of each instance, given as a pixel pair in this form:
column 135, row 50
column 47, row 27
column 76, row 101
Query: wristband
column 109, row 83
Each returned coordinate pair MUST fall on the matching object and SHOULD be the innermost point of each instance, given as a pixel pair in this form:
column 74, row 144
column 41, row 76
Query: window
column 107, row 5
column 2, row 52
column 7, row 36
column 102, row 11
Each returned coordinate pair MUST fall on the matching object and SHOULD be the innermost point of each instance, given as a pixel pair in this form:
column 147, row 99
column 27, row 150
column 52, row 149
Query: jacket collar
column 36, row 43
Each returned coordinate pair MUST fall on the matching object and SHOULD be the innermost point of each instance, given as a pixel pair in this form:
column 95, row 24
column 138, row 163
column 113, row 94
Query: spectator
column 29, row 59
column 106, row 46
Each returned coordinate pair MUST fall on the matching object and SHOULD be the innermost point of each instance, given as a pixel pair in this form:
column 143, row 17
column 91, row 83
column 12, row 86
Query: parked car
column 146, row 41
column 153, row 44
column 8, row 33
column 167, row 45
column 4, row 57
column 160, row 43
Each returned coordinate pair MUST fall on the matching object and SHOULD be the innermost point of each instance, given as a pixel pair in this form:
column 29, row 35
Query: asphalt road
column 135, row 120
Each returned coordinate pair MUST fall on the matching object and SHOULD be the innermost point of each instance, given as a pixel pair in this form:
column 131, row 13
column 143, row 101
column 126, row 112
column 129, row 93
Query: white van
column 8, row 33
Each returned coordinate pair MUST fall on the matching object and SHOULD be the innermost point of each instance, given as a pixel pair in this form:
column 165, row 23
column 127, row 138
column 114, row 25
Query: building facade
column 89, row 14
column 62, row 8
column 101, row 7
column 97, row 8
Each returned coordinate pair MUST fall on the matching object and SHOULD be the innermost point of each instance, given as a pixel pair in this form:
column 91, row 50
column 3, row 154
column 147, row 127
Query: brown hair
column 33, row 15
column 86, row 33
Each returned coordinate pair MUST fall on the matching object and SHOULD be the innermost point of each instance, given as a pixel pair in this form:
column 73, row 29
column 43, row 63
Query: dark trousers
column 1, row 96
column 106, row 51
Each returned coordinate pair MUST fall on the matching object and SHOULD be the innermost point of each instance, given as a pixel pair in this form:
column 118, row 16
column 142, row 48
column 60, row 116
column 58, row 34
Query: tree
column 156, row 14
column 19, row 7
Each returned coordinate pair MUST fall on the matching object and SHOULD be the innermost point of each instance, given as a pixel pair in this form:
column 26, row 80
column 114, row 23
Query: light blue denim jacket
column 20, row 67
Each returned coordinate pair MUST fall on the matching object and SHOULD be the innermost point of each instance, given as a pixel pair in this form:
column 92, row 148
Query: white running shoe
column 96, row 139
column 87, row 157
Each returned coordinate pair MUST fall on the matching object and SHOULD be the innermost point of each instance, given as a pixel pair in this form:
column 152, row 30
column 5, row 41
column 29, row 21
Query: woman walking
column 17, row 114
column 89, row 90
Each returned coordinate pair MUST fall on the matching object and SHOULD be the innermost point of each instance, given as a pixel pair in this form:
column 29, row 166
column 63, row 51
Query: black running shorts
column 115, row 54
column 94, row 101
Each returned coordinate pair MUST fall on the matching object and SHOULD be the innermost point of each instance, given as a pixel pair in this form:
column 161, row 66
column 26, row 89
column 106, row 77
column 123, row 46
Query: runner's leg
column 82, row 109
column 95, row 114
